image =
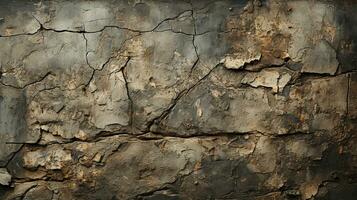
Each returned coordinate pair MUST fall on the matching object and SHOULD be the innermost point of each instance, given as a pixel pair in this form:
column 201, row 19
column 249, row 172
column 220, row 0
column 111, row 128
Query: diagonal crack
column 13, row 155
column 27, row 190
column 169, row 19
column 125, row 76
column 94, row 70
column 181, row 94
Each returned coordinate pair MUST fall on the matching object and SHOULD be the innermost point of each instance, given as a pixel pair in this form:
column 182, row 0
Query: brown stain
column 272, row 44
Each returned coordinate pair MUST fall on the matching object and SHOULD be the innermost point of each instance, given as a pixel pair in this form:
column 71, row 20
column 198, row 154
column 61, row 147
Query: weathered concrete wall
column 175, row 99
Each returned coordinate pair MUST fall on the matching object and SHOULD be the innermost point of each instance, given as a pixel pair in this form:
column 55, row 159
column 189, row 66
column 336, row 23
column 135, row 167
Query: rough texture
column 178, row 99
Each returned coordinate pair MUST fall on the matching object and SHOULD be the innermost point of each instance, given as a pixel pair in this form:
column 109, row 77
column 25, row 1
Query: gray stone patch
column 321, row 59
column 13, row 128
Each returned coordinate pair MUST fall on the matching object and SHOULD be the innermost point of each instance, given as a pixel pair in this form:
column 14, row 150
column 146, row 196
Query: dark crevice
column 205, row 134
column 101, row 68
column 167, row 19
column 306, row 77
column 162, row 136
column 184, row 92
column 26, row 191
column 27, row 84
column 13, row 155
column 194, row 65
column 93, row 69
column 292, row 134
column 87, row 52
column 224, row 163
column 248, row 85
column 193, row 40
column 131, row 102
column 89, row 80
column 154, row 29
column 152, row 192
column 42, row 27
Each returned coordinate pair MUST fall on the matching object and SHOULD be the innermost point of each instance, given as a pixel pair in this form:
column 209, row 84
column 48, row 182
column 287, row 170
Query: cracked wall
column 164, row 99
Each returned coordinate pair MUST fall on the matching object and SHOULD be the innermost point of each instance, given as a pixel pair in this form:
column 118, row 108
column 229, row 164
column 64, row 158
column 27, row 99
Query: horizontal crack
column 27, row 84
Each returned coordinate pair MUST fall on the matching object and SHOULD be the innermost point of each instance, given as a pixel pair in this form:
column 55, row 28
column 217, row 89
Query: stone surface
column 164, row 99
column 5, row 177
column 12, row 123
column 268, row 78
column 321, row 59
column 238, row 61
column 54, row 158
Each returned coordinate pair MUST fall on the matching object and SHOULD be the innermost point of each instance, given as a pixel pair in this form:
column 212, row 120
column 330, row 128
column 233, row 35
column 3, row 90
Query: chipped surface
column 268, row 78
column 244, row 99
column 238, row 61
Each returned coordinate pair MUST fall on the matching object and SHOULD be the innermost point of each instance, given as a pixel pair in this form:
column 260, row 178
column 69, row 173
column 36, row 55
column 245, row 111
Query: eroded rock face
column 120, row 99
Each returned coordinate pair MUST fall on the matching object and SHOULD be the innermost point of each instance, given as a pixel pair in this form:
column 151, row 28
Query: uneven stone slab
column 248, row 110
column 13, row 127
column 164, row 99
column 223, row 166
